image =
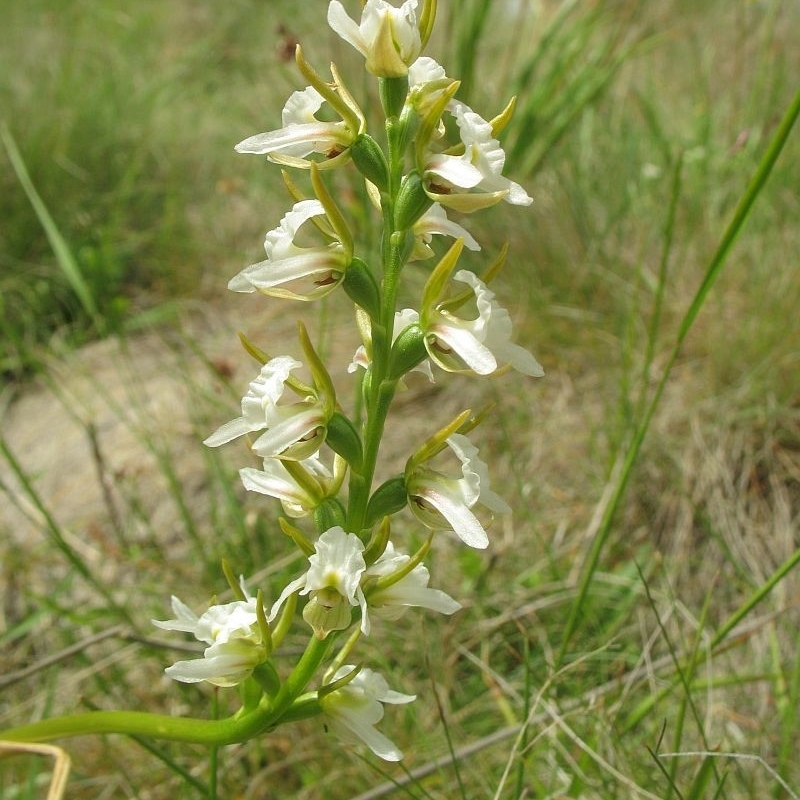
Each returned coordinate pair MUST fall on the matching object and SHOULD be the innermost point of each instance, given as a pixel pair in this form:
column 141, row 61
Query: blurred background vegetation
column 638, row 127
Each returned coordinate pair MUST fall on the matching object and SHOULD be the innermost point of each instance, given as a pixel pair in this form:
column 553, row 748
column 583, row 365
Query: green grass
column 633, row 631
column 126, row 122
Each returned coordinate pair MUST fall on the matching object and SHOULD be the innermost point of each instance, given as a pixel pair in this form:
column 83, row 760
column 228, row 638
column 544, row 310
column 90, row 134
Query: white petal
column 275, row 484
column 425, row 70
column 382, row 746
column 521, row 360
column 293, row 220
column 298, row 140
column 462, row 342
column 301, row 107
column 366, row 626
column 239, row 283
column 396, row 698
column 347, row 28
column 185, row 619
column 228, row 432
column 289, row 429
column 476, row 475
column 461, row 519
column 290, row 589
column 517, row 196
column 338, row 562
column 455, row 170
column 221, row 670
column 435, row 221
column 312, row 261
column 412, row 596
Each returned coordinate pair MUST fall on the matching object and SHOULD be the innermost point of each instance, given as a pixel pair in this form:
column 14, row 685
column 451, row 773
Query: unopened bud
column 412, row 201
column 408, row 351
column 370, row 160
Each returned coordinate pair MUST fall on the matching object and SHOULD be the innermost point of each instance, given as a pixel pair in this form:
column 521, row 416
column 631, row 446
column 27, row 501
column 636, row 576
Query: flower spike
column 414, row 170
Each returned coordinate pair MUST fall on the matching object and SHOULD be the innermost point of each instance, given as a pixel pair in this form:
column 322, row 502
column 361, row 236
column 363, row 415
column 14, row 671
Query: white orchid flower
column 410, row 591
column 387, row 37
column 402, row 320
column 481, row 345
column 426, row 81
column 298, row 499
column 473, row 180
column 333, row 580
column 302, row 133
column 435, row 222
column 445, row 501
column 233, row 635
column 292, row 431
column 353, row 711
column 298, row 273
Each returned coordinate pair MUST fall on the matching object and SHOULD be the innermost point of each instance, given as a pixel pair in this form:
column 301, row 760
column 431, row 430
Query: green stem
column 298, row 680
column 381, row 389
column 231, row 730
column 156, row 726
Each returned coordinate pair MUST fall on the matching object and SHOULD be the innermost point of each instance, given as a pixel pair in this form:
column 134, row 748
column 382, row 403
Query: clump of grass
column 125, row 123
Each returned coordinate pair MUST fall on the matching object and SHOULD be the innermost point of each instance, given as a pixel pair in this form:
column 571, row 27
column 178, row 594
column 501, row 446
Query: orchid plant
column 319, row 461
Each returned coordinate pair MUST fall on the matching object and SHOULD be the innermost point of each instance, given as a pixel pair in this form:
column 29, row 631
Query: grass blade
column 712, row 273
column 66, row 262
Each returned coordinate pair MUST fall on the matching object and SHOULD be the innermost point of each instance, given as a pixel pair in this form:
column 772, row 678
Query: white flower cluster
column 306, row 444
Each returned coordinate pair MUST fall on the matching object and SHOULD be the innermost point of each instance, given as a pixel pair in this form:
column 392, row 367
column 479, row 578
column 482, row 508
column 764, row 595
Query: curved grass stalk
column 61, row 763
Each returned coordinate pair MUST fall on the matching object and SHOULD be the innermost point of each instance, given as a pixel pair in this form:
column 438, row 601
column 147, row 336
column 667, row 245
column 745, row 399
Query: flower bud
column 408, row 351
column 370, row 160
column 343, row 438
column 389, row 498
column 329, row 514
column 359, row 284
column 412, row 201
